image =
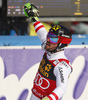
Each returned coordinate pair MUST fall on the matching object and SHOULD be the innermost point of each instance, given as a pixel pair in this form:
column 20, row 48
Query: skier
column 51, row 80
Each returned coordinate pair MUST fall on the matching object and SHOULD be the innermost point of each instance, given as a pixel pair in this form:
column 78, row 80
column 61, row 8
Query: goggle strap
column 64, row 40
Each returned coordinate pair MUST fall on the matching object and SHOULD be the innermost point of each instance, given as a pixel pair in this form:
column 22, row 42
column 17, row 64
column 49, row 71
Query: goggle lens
column 52, row 37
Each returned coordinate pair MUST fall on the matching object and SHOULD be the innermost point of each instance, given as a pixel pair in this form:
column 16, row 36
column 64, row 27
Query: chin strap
column 56, row 50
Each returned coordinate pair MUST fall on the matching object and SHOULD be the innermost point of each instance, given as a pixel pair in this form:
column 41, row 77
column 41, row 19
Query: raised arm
column 32, row 12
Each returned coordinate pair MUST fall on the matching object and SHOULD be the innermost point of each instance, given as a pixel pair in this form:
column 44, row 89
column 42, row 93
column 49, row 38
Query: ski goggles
column 52, row 37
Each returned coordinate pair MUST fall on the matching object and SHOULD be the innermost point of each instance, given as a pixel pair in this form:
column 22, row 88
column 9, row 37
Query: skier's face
column 50, row 46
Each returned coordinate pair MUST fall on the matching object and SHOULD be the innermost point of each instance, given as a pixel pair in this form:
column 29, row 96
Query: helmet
column 63, row 34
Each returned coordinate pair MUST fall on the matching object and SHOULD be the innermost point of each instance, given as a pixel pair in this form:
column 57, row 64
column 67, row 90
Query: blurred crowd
column 22, row 27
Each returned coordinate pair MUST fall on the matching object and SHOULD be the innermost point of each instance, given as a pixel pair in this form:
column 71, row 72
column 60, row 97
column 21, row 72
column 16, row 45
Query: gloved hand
column 30, row 10
column 45, row 98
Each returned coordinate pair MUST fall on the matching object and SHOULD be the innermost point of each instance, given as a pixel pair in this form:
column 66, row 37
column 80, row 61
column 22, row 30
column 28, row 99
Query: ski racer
column 51, row 80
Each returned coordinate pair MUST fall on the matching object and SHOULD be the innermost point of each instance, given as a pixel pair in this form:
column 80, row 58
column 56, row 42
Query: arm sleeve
column 40, row 30
column 62, row 73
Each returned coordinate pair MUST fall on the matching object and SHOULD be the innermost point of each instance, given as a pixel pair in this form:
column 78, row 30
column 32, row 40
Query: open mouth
column 48, row 43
